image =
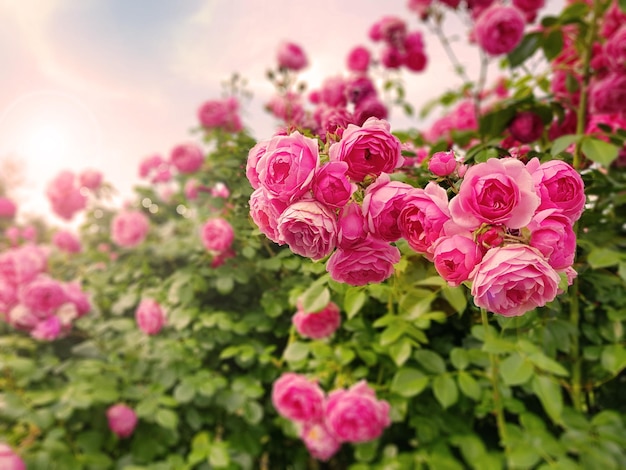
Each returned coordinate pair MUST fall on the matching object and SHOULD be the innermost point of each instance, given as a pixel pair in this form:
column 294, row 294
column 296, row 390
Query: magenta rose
column 287, row 168
column 217, row 235
column 319, row 441
column 9, row 460
column 370, row 107
column 382, row 204
column 122, row 420
column 514, row 279
column 66, row 241
column 129, row 228
column 499, row 29
column 499, row 191
column 220, row 114
column 358, row 59
column 368, row 150
column 291, row 56
column 559, row 186
column 7, row 208
column 423, row 217
column 333, row 92
column 455, row 257
column 187, row 158
column 319, row 324
column 265, row 212
column 331, row 185
column 150, row 316
column 526, row 127
column 351, row 226
column 551, row 233
column 608, row 95
column 442, row 163
column 371, row 260
column 615, row 49
column 297, row 398
column 356, row 415
column 309, row 228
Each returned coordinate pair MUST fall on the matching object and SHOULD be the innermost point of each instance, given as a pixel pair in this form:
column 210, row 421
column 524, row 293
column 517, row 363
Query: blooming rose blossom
column 351, row 227
column 391, row 57
column 309, row 228
column 129, row 228
column 220, row 190
column 66, row 241
column 319, row 441
column 615, row 49
column 498, row 191
column 8, row 297
column 65, row 196
column 254, row 155
column 358, row 59
column 455, row 257
column 529, row 8
column 526, row 127
column 7, row 208
column 122, row 420
column 333, row 92
column 150, row 316
column 90, row 179
column 442, row 163
column 333, row 121
column 513, row 279
column 371, row 260
column 608, row 95
column 287, row 168
column 414, row 53
column 43, row 296
column 367, row 108
column 359, row 88
column 265, row 212
column 297, row 398
column 499, row 29
column 291, row 56
column 21, row 265
column 9, row 460
column 331, row 185
column 48, row 329
column 77, row 297
column 222, row 114
column 551, row 233
column 187, row 158
column 356, row 415
column 368, row 150
column 382, row 203
column 217, row 235
column 319, row 324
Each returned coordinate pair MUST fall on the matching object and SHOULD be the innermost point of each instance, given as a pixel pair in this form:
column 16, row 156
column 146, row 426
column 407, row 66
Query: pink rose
column 265, row 212
column 559, row 186
column 499, row 191
column 551, row 233
column 187, row 158
column 319, row 441
column 333, row 121
column 7, row 208
column 391, row 57
column 333, row 92
column 319, row 324
column 23, row 264
column 355, row 415
column 43, row 296
column 150, row 316
column 22, row 318
column 297, row 398
column 9, row 460
column 368, row 150
column 382, row 204
column 309, row 228
column 8, row 297
column 423, row 217
column 608, row 95
column 220, row 190
column 217, row 235
column 254, row 155
column 331, row 185
column 90, row 179
column 148, row 164
column 351, row 226
column 442, row 163
column 65, row 196
column 371, row 260
column 215, row 114
column 129, row 228
column 615, row 49
column 286, row 170
column 48, row 329
column 66, row 241
column 513, row 279
column 360, row 88
column 421, row 7
column 77, row 297
column 499, row 29
column 291, row 56
column 358, row 59
column 455, row 257
column 370, row 107
column 526, row 127
column 122, row 420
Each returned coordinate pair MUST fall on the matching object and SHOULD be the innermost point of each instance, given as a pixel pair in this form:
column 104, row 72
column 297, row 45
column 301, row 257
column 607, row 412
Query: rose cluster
column 32, row 301
column 325, row 422
column 312, row 206
column 317, row 325
column 185, row 158
column 68, row 192
column 401, row 48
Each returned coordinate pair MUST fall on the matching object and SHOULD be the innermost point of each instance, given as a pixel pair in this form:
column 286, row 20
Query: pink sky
column 104, row 83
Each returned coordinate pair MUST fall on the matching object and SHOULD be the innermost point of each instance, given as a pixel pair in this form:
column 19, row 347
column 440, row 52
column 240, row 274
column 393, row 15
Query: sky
column 104, row 83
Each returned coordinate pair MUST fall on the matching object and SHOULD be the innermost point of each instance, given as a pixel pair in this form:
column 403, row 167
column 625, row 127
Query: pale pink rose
column 559, row 186
column 191, row 188
column 90, row 179
column 297, row 398
column 149, row 165
column 309, row 228
column 77, row 297
column 287, row 168
column 371, row 260
column 265, row 212
column 442, row 163
column 526, row 127
column 48, row 329
column 9, row 460
column 455, row 257
column 8, row 297
column 187, row 158
column 358, row 59
column 65, row 196
column 220, row 190
column 356, row 415
column 382, row 203
column 129, row 228
column 13, row 235
column 551, row 233
column 351, row 226
column 21, row 265
column 222, row 114
column 319, row 441
column 254, row 155
column 499, row 29
column 608, row 95
column 122, row 420
column 66, row 241
column 423, row 217
column 43, row 296
column 615, row 49
column 29, row 233
column 368, row 150
column 7, row 208
column 367, row 108
column 513, row 279
column 496, row 192
column 291, row 56
column 317, row 325
column 150, row 316
column 162, row 174
column 22, row 318
column 217, row 235
column 331, row 185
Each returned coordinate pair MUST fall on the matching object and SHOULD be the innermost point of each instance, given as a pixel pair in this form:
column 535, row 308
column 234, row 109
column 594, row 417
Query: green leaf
column 353, row 301
column 493, row 123
column 547, row 364
column 408, row 382
column 445, row 390
column 469, row 386
column 430, row 360
column 184, row 392
column 167, row 418
column 622, row 5
column 224, row 285
column 549, row 393
column 392, row 333
column 526, row 48
column 315, row 298
column 459, row 358
column 400, row 351
column 456, row 297
column 614, row 358
column 553, row 44
column 218, row 455
column 603, row 258
column 296, row 351
column 599, row 151
column 515, row 370
column 561, row 143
